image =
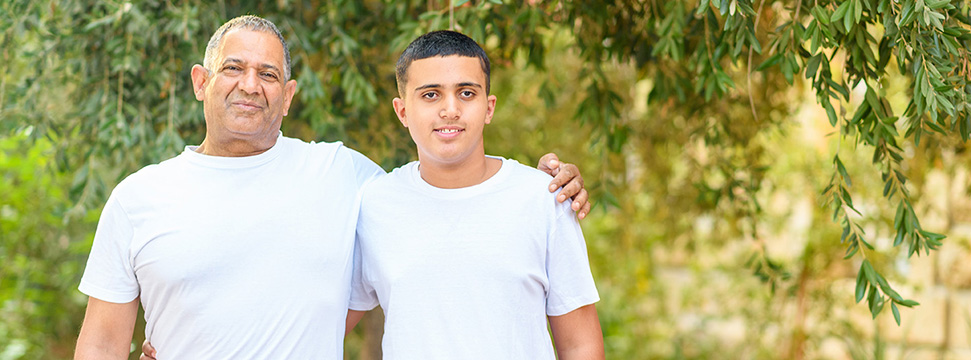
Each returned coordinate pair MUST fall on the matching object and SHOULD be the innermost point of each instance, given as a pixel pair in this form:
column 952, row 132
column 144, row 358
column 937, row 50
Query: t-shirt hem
column 106, row 295
column 572, row 305
column 361, row 306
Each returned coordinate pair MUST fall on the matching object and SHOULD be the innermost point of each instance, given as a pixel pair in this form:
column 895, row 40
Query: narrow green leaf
column 812, row 66
column 896, row 312
column 840, row 11
column 877, row 306
column 842, row 171
column 831, row 113
column 909, row 303
column 868, row 271
column 936, row 4
column 821, row 14
column 771, row 61
column 702, row 7
column 850, row 251
column 860, row 285
column 849, row 18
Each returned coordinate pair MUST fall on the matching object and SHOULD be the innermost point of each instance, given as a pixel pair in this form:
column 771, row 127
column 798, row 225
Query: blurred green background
column 727, row 148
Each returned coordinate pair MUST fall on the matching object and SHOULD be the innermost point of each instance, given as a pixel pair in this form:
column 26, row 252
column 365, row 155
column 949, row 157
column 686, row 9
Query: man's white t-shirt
column 469, row 273
column 235, row 258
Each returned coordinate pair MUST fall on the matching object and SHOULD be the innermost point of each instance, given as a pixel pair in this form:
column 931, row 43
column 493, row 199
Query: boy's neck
column 468, row 172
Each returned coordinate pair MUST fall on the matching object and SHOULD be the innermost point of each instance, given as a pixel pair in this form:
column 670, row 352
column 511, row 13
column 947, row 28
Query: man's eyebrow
column 269, row 66
column 240, row 61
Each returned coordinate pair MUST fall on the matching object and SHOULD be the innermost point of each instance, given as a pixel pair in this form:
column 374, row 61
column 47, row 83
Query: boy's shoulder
column 526, row 174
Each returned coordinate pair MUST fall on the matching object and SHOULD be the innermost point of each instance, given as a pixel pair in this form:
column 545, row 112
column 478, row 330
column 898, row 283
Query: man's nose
column 250, row 83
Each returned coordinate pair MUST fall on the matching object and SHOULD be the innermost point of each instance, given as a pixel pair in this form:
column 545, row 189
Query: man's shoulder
column 153, row 172
column 322, row 147
column 398, row 177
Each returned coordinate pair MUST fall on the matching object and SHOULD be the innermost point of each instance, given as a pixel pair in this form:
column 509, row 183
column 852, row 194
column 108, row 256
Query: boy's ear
column 399, row 110
column 200, row 76
column 490, row 108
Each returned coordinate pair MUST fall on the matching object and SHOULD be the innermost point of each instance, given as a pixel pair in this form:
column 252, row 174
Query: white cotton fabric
column 469, row 273
column 235, row 258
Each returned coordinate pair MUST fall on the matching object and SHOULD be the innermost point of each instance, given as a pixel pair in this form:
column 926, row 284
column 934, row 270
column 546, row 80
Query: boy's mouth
column 449, row 131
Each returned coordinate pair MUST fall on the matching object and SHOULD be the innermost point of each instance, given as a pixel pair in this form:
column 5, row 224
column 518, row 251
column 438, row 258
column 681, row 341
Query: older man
column 241, row 247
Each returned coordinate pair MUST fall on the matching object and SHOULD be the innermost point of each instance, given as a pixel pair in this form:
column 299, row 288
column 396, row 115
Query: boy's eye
column 467, row 93
column 429, row 95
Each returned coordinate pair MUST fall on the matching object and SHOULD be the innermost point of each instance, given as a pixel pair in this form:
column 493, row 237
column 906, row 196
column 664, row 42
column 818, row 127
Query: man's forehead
column 241, row 45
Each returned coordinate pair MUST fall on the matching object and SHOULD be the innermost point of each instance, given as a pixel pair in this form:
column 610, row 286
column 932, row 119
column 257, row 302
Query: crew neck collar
column 232, row 162
column 462, row 192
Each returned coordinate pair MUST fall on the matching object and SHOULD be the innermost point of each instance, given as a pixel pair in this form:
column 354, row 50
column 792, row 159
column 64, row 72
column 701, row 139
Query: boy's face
column 445, row 108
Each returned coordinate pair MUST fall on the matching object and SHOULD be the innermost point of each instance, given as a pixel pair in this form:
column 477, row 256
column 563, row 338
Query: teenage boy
column 458, row 274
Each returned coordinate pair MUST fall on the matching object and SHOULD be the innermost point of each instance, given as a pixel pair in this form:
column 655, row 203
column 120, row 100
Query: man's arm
column 107, row 330
column 568, row 177
column 577, row 334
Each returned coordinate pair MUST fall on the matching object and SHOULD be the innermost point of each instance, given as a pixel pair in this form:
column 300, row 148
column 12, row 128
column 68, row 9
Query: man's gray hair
column 247, row 22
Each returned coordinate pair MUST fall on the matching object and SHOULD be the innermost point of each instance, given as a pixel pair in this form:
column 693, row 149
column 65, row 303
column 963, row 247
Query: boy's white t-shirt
column 469, row 273
column 235, row 258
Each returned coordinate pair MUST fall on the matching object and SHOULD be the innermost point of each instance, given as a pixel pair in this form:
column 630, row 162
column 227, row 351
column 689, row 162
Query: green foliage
column 672, row 108
column 42, row 253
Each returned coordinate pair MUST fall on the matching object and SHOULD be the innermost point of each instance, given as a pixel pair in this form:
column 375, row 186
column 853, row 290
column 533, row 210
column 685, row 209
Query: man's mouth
column 448, row 131
column 247, row 106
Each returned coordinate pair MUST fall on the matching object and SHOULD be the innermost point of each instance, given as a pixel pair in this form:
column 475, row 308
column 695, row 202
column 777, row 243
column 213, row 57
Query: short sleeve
column 571, row 284
column 109, row 274
column 363, row 296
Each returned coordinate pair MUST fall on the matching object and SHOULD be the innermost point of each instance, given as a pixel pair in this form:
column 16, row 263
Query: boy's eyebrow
column 470, row 84
column 462, row 84
column 428, row 86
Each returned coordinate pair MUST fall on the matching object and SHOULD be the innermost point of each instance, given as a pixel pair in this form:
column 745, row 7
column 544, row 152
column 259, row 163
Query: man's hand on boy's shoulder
column 568, row 177
column 148, row 352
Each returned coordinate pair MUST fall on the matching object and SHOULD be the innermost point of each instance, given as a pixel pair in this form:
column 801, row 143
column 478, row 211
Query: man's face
column 445, row 108
column 245, row 96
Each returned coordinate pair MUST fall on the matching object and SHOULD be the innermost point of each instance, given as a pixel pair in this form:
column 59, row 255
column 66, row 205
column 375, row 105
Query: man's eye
column 467, row 93
column 271, row 76
column 429, row 95
column 231, row 68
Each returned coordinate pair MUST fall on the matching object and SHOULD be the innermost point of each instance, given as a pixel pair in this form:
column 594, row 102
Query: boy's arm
column 353, row 317
column 107, row 330
column 577, row 334
column 568, row 177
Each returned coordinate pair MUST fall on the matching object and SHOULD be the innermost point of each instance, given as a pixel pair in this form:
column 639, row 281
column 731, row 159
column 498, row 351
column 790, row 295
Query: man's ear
column 490, row 108
column 200, row 77
column 288, row 90
column 399, row 109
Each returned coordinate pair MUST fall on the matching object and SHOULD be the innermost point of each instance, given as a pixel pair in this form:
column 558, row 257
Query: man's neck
column 469, row 172
column 234, row 148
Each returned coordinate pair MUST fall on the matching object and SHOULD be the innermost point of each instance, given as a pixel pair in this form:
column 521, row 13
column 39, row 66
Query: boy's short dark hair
column 439, row 43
